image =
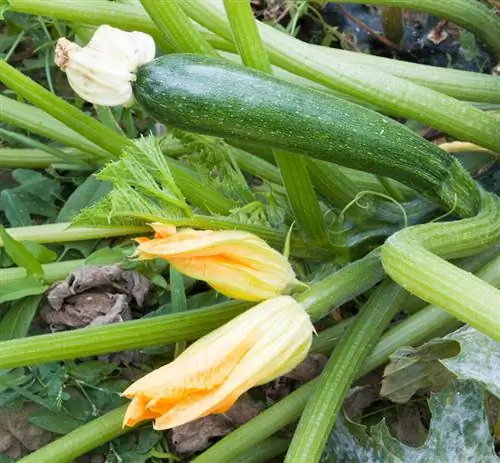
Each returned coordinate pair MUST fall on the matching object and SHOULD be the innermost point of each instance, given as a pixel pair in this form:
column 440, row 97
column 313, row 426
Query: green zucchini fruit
column 215, row 97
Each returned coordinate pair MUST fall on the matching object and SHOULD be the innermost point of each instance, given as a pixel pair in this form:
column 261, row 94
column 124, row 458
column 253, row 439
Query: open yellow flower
column 259, row 345
column 237, row 264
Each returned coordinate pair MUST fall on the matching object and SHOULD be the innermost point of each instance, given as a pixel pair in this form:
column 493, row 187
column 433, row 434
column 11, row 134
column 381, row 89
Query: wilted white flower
column 102, row 71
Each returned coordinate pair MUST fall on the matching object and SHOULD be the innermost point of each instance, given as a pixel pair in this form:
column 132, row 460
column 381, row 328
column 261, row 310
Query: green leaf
column 20, row 254
column 411, row 369
column 459, row 432
column 37, row 184
column 479, row 358
column 463, row 354
column 14, row 208
column 29, row 286
column 56, row 422
column 143, row 190
column 215, row 162
column 92, row 372
column 42, row 253
column 17, row 321
column 88, row 193
column 34, row 205
column 106, row 256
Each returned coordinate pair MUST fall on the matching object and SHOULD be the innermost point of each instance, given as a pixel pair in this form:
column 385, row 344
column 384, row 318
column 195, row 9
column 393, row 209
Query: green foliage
column 143, row 190
column 17, row 321
column 458, row 432
column 20, row 254
column 214, row 161
column 464, row 354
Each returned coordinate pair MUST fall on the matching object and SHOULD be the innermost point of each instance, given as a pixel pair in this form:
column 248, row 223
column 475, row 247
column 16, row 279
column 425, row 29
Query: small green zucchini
column 215, row 97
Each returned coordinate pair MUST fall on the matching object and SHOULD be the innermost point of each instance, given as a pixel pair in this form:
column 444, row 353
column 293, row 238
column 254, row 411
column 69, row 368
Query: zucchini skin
column 215, row 97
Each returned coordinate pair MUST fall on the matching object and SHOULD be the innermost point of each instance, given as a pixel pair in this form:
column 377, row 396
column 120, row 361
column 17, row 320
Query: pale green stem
column 97, row 340
column 410, row 257
column 68, row 448
column 322, row 408
column 63, row 232
column 66, row 113
column 37, row 121
column 174, row 24
column 51, row 272
column 30, row 158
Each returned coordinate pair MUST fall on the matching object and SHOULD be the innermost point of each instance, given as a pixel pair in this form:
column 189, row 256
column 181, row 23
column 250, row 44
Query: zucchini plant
column 285, row 147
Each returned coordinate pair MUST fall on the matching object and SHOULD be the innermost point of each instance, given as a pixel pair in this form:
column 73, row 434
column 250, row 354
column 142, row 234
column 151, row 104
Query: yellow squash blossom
column 237, row 264
column 259, row 345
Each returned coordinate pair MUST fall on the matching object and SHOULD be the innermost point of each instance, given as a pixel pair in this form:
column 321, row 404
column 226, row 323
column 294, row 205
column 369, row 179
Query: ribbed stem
column 342, row 286
column 322, row 408
column 147, row 332
column 66, row 113
column 410, row 257
column 37, row 121
column 62, row 233
column 424, row 325
column 68, row 448
column 173, row 23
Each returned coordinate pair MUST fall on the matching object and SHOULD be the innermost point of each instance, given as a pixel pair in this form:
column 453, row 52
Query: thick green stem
column 147, row 332
column 63, row 232
column 37, row 121
column 51, row 272
column 410, row 257
column 174, row 24
column 246, row 36
column 424, row 325
column 66, row 113
column 332, row 183
column 322, row 408
column 68, row 448
column 345, row 284
column 302, row 197
column 30, row 158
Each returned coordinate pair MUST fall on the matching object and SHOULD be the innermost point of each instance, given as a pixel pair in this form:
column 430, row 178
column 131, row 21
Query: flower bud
column 102, row 71
column 237, row 264
column 259, row 345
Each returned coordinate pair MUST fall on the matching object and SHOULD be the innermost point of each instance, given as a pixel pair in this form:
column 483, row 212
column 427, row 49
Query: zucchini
column 215, row 97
